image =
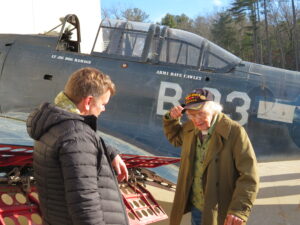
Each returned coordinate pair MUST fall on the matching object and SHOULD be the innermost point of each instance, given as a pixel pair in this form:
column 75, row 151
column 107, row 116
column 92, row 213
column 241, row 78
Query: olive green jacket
column 230, row 179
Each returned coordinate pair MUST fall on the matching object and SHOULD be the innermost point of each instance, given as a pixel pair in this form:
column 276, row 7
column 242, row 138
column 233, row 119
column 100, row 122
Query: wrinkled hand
column 176, row 112
column 233, row 220
column 120, row 168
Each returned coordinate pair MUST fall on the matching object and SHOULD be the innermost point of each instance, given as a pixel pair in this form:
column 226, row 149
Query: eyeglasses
column 198, row 115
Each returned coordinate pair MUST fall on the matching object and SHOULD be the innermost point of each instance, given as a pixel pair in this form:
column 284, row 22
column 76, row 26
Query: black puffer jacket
column 75, row 180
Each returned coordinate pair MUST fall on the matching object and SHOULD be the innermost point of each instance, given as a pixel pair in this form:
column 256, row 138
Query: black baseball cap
column 196, row 98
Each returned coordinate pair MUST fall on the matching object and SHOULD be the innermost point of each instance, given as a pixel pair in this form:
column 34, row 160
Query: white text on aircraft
column 163, row 98
column 180, row 75
column 70, row 59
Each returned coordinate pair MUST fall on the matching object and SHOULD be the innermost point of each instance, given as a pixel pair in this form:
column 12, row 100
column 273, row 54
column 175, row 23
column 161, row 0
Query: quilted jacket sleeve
column 78, row 158
column 111, row 151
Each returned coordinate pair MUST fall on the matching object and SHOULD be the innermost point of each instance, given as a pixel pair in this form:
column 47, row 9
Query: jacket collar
column 222, row 130
column 91, row 120
column 65, row 103
column 223, row 126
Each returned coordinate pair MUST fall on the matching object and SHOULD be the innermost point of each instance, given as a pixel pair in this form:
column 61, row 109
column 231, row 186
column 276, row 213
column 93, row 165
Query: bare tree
column 135, row 14
column 279, row 31
column 202, row 26
column 295, row 39
column 259, row 35
column 114, row 12
column 120, row 12
column 287, row 21
column 269, row 47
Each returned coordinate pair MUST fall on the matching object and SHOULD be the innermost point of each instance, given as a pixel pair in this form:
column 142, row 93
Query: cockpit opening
column 69, row 36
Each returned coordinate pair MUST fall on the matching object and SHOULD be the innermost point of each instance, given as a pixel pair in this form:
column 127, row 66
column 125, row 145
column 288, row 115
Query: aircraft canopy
column 158, row 44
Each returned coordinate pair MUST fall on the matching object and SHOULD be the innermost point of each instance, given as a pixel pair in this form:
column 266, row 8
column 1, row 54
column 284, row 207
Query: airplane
column 154, row 67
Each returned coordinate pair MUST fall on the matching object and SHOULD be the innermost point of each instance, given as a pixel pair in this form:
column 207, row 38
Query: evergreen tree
column 169, row 20
column 182, row 21
column 223, row 32
column 242, row 8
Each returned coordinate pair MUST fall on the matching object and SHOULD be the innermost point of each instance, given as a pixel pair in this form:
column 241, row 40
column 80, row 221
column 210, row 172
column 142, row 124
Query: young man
column 72, row 165
column 218, row 179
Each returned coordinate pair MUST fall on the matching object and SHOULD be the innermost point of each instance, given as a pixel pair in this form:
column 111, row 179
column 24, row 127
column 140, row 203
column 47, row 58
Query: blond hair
column 86, row 82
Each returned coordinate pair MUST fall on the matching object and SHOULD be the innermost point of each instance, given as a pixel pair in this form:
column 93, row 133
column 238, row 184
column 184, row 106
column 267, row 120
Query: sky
column 156, row 9
column 38, row 16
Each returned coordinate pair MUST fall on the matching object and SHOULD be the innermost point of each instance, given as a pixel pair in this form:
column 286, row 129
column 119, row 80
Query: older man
column 218, row 179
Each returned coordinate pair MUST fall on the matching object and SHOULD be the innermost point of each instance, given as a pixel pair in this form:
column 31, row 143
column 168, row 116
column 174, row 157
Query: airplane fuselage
column 265, row 100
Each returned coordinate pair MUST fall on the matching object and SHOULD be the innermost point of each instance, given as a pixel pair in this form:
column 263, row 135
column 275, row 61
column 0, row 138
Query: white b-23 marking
column 163, row 98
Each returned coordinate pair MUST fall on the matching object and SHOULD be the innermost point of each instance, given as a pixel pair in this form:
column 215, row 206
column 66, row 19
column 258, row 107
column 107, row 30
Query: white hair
column 211, row 106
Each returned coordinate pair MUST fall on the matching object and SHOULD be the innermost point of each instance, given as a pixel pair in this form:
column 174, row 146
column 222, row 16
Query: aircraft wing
column 16, row 175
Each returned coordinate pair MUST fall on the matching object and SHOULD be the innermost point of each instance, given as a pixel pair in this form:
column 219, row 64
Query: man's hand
column 233, row 220
column 120, row 168
column 176, row 112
